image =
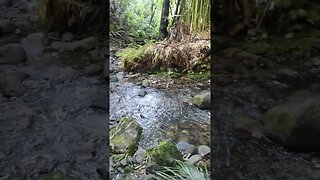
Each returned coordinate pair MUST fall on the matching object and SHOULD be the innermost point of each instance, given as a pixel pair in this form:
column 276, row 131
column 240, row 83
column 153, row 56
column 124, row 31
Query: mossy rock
column 296, row 125
column 166, row 153
column 125, row 137
column 202, row 100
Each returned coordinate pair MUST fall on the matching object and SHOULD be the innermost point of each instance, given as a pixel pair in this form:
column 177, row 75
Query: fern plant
column 182, row 171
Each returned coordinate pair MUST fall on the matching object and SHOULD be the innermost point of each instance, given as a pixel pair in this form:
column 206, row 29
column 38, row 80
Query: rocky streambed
column 164, row 110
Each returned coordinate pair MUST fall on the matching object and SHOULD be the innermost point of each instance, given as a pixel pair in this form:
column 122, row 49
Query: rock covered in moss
column 125, row 137
column 203, row 100
column 295, row 125
column 166, row 153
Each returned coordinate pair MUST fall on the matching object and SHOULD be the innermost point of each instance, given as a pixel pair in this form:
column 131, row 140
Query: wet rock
column 113, row 78
column 251, row 32
column 166, row 153
column 203, row 100
column 295, row 124
column 142, row 93
column 12, row 54
column 125, row 137
column 139, row 155
column 185, row 147
column 93, row 69
column 34, row 44
column 113, row 87
column 7, row 27
column 68, row 36
column 145, row 83
column 194, row 159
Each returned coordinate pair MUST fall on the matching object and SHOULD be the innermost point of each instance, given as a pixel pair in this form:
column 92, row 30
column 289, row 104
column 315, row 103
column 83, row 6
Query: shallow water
column 161, row 114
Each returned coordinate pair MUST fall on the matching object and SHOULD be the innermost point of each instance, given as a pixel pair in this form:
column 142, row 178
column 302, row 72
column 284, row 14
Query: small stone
column 113, row 87
column 315, row 61
column 123, row 162
column 142, row 93
column 185, row 147
column 113, row 78
column 194, row 159
column 204, row 150
column 145, row 83
column 139, row 155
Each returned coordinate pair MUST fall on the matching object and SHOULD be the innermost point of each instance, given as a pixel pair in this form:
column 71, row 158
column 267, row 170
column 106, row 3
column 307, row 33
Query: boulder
column 12, row 54
column 125, row 137
column 296, row 125
column 203, row 100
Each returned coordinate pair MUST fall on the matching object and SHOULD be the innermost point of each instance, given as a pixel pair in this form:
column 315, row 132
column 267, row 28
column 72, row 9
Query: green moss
column 279, row 122
column 125, row 137
column 169, row 74
column 197, row 100
column 166, row 153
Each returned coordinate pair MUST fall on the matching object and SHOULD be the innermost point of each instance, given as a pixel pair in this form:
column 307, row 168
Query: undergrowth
column 182, row 171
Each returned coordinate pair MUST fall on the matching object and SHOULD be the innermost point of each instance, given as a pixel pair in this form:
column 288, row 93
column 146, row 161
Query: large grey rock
column 204, row 150
column 194, row 159
column 295, row 124
column 12, row 54
column 7, row 26
column 124, row 138
column 33, row 44
column 203, row 100
column 145, row 83
column 185, row 147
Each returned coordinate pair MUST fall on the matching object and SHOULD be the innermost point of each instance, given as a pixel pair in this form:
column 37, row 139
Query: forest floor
column 53, row 104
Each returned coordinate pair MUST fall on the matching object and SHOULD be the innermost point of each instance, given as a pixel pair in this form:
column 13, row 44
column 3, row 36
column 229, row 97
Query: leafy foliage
column 77, row 15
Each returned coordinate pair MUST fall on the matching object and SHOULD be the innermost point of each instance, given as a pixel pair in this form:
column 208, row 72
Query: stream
column 160, row 112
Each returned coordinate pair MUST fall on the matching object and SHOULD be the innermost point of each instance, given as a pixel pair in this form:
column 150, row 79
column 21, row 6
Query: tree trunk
column 164, row 19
